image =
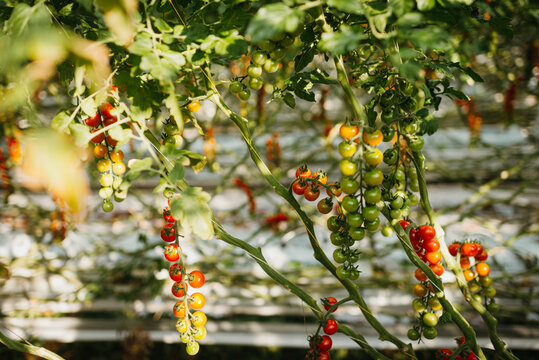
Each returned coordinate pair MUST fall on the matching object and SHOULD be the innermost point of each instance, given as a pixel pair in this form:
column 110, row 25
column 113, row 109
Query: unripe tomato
column 254, row 71
column 348, row 168
column 192, row 348
column 372, row 225
column 100, row 151
column 199, row 333
column 342, row 272
column 373, row 177
column 493, row 307
column 348, row 131
column 418, row 305
column 485, row 281
column 106, row 180
column 354, row 219
column 430, row 333
column 193, row 106
column 346, row 149
column 259, row 58
column 235, row 87
column 473, row 285
column 333, row 224
column 349, row 185
column 373, row 158
column 182, row 325
column 469, row 275
column 105, row 193
column 118, row 168
column 416, row 144
column 413, row 334
column 372, row 195
column 489, row 291
column 244, row 94
column 271, row 66
column 434, row 303
column 373, row 138
column 107, row 206
column 278, row 53
column 350, row 204
column 256, row 83
column 199, row 319
column 420, row 290
column 430, row 319
column 370, row 213
column 356, row 233
column 339, row 256
column 325, row 206
column 391, row 156
column 267, row 45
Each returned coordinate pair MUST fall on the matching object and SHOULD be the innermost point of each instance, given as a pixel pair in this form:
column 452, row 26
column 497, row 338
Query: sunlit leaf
column 192, row 210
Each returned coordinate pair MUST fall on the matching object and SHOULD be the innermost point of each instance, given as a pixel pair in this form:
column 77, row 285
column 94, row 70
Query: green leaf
column 274, row 19
column 61, row 121
column 289, row 100
column 195, row 32
column 80, row 133
column 401, row 7
column 120, row 134
column 172, row 104
column 304, row 59
column 475, row 76
column 348, row 6
column 192, row 210
column 342, row 41
column 424, row 5
column 162, row 25
column 140, row 164
column 175, row 58
column 451, row 91
column 177, row 172
column 141, row 46
column 88, row 106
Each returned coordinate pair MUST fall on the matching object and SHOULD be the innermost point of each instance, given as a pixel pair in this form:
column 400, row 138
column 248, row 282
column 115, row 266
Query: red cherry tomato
column 331, row 327
column 482, row 256
column 98, row 138
column 107, row 110
column 303, row 172
column 179, row 289
column 298, row 188
column 434, row 257
column 431, row 245
column 469, row 249
column 176, row 272
column 171, row 252
column 311, row 193
column 326, row 343
column 167, row 215
column 168, row 232
column 330, row 301
column 404, row 224
column 196, row 279
column 454, row 249
column 427, row 232
column 93, row 121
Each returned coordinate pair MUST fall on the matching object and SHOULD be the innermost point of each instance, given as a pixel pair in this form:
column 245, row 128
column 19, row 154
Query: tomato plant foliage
column 126, row 72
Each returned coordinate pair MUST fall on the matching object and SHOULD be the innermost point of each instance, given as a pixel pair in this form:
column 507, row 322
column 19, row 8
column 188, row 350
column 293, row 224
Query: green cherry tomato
column 278, row 53
column 399, row 175
column 171, row 128
column 430, row 333
column 349, row 185
column 105, row 193
column 416, row 144
column 354, row 274
column 388, row 132
column 413, row 334
column 395, row 213
column 387, row 230
column 373, row 177
column 397, row 202
column 271, row 66
column 267, row 45
column 192, row 348
column 419, row 305
column 372, row 225
column 489, row 291
column 350, row 203
column 342, row 272
column 339, row 256
column 430, row 319
column 493, row 307
column 356, row 233
column 107, row 206
column 372, row 195
column 348, row 168
column 354, row 219
column 346, row 149
column 388, row 115
column 413, row 199
column 235, row 87
column 333, row 224
column 414, row 185
column 245, row 94
column 391, row 156
column 485, row 281
column 370, row 213
column 412, row 172
column 287, row 41
column 254, row 71
column 255, row 83
column 259, row 58
column 353, row 257
column 337, row 238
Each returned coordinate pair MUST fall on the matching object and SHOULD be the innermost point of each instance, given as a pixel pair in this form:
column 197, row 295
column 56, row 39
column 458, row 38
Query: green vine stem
column 29, row 348
column 319, row 254
column 256, row 254
column 490, row 320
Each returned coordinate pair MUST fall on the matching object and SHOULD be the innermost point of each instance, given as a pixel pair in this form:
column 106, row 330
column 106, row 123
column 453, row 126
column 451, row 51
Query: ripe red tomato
column 443, row 354
column 176, row 272
column 469, row 249
column 326, row 343
column 298, row 188
column 420, row 275
column 331, row 327
column 311, row 193
column 482, row 256
column 111, row 141
column 109, row 120
column 464, row 262
column 168, row 232
column 335, row 190
column 438, row 269
column 167, row 215
column 427, row 232
column 171, row 252
column 404, row 224
column 303, row 172
column 179, row 289
column 413, row 235
column 348, row 131
column 454, row 249
column 196, row 279
column 107, row 110
column 98, row 138
column 330, row 301
column 431, row 245
column 93, row 121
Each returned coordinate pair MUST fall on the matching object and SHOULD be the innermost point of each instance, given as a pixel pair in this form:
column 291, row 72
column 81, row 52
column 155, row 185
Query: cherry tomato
column 298, row 188
column 182, row 325
column 469, row 275
column 348, row 131
column 413, row 334
column 391, row 156
column 464, row 262
column 414, row 236
column 321, row 176
column 482, row 256
column 493, row 307
column 244, row 94
column 454, row 249
column 370, row 213
column 348, row 168
column 350, row 204
column 372, row 195
column 93, row 121
column 176, row 272
column 434, row 257
column 271, row 66
column 357, row 233
column 117, row 155
column 199, row 319
column 339, row 256
column 326, row 343
column 430, row 319
column 118, row 168
column 438, row 269
column 107, row 206
column 179, row 289
column 334, row 189
column 98, row 138
column 192, row 348
column 434, row 303
column 100, row 151
column 107, row 110
column 416, row 144
column 418, row 305
column 111, row 141
column 168, row 232
column 349, row 185
column 197, row 301
column 303, row 172
column 469, row 249
column 374, row 157
column 427, row 232
column 420, row 290
column 330, row 300
column 430, row 333
column 179, row 309
column 255, row 83
column 171, row 252
column 109, row 120
column 199, row 333
column 333, row 224
column 485, row 281
column 482, row 269
column 193, row 106
column 325, row 206
column 196, row 279
column 420, row 275
column 311, row 193
column 254, row 71
column 373, row 138
column 235, row 87
column 259, row 58
column 374, row 177
column 489, row 291
column 347, row 150
column 331, row 327
column 167, row 215
column 431, row 245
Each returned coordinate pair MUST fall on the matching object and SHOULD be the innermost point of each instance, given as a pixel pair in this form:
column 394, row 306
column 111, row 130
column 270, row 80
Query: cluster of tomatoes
column 319, row 345
column 464, row 354
column 172, row 135
column 479, row 280
column 308, row 184
column 426, row 304
column 110, row 163
column 191, row 320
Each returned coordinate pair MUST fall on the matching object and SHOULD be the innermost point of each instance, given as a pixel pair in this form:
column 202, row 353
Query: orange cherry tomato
column 469, row 275
column 465, row 262
column 482, row 269
column 373, row 138
column 348, row 131
column 420, row 275
column 434, row 257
